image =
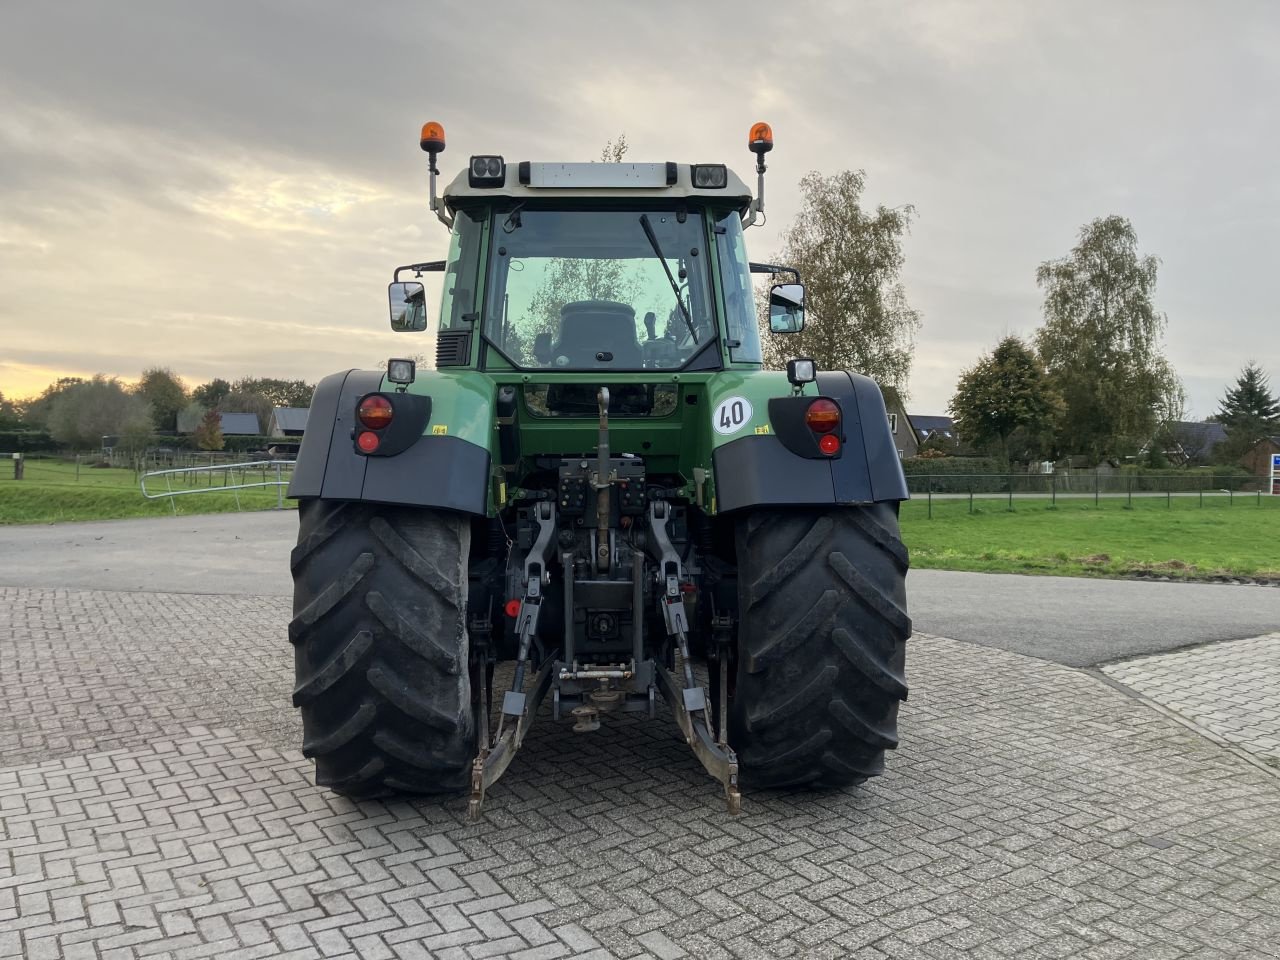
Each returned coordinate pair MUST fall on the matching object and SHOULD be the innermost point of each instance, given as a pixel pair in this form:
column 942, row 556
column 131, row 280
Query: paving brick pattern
column 152, row 805
column 1230, row 689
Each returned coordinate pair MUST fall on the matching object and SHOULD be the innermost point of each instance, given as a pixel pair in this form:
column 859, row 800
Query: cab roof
column 529, row 180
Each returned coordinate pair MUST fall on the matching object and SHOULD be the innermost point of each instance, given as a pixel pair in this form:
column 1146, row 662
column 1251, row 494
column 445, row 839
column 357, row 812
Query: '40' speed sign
column 731, row 415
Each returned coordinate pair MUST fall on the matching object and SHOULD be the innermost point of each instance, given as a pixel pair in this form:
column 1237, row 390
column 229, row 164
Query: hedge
column 232, row 444
column 951, row 474
column 26, row 441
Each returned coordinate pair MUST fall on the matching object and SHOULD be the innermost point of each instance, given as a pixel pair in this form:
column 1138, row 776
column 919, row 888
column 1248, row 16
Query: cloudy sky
column 223, row 188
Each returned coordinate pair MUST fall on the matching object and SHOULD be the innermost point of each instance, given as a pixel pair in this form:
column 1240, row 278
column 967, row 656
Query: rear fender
column 752, row 466
column 448, row 466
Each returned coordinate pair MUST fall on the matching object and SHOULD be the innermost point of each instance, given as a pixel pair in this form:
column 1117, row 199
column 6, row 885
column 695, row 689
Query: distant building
column 233, row 424
column 1190, row 442
column 239, row 424
column 904, row 434
column 288, row 421
column 1196, row 441
column 928, row 427
column 1258, row 460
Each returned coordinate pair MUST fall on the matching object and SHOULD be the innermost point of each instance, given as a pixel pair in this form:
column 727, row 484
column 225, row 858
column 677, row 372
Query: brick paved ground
column 151, row 804
column 1230, row 689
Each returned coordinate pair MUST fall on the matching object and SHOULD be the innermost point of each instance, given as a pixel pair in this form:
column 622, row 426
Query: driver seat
column 588, row 327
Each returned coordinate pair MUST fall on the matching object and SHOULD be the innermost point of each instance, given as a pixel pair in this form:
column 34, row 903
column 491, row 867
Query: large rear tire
column 380, row 647
column 821, row 645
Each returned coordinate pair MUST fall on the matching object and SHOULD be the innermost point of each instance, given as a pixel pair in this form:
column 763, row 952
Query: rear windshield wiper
column 675, row 287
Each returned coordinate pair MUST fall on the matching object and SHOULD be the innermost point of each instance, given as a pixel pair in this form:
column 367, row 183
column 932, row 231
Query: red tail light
column 823, row 416
column 367, row 441
column 375, row 411
column 829, row 444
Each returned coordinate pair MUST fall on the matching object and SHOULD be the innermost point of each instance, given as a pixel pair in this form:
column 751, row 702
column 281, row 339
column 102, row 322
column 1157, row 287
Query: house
column 288, row 421
column 1190, row 442
column 1259, row 458
column 928, row 427
column 239, row 424
column 904, row 435
column 233, row 424
column 1196, row 441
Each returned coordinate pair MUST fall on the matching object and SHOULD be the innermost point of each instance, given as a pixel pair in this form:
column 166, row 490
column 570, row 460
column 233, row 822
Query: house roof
column 927, row 425
column 239, row 424
column 291, row 418
column 1198, row 436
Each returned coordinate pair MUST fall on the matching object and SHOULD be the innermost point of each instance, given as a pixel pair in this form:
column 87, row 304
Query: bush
column 234, row 444
column 26, row 441
column 952, row 474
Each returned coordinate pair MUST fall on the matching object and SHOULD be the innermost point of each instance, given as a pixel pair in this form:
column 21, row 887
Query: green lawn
column 1177, row 538
column 50, row 492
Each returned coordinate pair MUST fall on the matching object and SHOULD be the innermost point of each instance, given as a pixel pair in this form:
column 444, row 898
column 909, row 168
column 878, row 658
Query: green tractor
column 600, row 488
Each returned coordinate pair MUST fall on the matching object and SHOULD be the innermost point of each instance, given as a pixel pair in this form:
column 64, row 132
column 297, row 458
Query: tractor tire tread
column 381, row 648
column 821, row 644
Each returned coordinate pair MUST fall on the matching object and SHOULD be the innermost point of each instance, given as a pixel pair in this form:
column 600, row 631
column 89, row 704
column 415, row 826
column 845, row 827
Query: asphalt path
column 1078, row 622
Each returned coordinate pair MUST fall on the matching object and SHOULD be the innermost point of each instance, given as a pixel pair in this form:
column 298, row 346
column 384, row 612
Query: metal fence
column 1087, row 485
column 252, row 475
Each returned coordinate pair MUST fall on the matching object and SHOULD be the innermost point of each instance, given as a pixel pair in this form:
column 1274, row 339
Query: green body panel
column 680, row 442
column 677, row 443
column 461, row 403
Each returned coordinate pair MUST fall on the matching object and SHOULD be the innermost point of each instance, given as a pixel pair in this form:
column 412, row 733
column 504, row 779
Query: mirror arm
column 431, row 266
column 774, row 269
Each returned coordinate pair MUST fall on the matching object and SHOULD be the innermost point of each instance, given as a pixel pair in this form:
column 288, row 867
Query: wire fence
column 233, row 477
column 1013, row 488
column 97, row 468
column 92, row 480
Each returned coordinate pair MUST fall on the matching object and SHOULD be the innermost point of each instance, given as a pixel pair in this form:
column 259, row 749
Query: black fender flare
column 432, row 471
column 760, row 470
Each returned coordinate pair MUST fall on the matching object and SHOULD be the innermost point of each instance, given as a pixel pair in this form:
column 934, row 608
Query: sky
column 224, row 188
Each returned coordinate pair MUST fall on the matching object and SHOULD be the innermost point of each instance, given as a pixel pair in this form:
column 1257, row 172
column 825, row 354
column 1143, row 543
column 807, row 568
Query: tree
column 135, row 435
column 1101, row 341
column 856, row 311
column 1006, row 393
column 1171, row 412
column 10, row 415
column 36, row 411
column 1248, row 412
column 210, row 394
column 189, row 417
column 167, row 395
column 279, row 393
column 614, row 150
column 208, row 436
column 85, row 412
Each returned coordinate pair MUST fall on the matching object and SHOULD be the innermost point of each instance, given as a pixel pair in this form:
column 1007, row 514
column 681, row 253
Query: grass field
column 1176, row 538
column 50, row 493
column 1153, row 537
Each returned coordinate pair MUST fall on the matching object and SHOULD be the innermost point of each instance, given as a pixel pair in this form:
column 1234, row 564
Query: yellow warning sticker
column 760, row 431
column 440, row 429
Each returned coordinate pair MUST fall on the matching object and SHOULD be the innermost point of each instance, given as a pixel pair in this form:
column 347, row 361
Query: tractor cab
column 604, row 267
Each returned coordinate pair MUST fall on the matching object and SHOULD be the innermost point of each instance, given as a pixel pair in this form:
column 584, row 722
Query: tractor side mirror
column 408, row 303
column 542, row 348
column 786, row 308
